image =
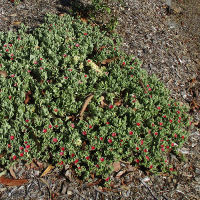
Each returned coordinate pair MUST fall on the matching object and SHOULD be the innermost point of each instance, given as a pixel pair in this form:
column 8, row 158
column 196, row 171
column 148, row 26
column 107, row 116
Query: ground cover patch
column 68, row 95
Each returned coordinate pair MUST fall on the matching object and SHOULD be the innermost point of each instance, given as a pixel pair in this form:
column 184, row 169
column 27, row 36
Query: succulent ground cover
column 69, row 96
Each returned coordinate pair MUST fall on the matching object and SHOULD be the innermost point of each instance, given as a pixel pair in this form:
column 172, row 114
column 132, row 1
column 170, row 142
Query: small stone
column 69, row 193
column 197, row 171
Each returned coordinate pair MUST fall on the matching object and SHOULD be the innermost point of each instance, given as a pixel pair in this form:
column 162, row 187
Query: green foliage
column 52, row 71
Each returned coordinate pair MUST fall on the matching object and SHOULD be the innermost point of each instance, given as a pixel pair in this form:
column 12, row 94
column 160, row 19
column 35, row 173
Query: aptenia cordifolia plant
column 68, row 95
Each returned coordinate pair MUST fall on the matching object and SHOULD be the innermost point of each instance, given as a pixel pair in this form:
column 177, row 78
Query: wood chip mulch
column 165, row 35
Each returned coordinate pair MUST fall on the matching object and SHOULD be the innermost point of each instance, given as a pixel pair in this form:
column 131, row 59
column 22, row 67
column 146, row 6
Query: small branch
column 100, row 191
column 87, row 101
column 155, row 198
column 141, row 83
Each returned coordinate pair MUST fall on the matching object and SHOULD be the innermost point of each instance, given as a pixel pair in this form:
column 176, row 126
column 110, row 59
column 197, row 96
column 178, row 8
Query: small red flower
column 85, row 75
column 61, row 163
column 11, row 54
column 137, row 160
column 147, row 85
column 162, row 149
column 9, row 145
column 65, row 77
column 72, row 125
column 130, row 132
column 151, row 166
column 84, row 133
column 44, row 130
column 7, row 50
column 147, row 157
column 178, row 111
column 167, row 147
column 21, row 154
column 62, row 148
column 182, row 137
column 55, row 110
column 138, row 124
column 77, row 45
column 161, row 123
column 92, row 147
column 50, row 126
column 149, row 89
column 12, row 137
column 84, row 33
column 109, row 141
column 175, row 135
column 27, row 120
column 107, row 122
column 170, row 121
column 142, row 142
column 76, row 161
column 179, row 121
column 172, row 144
column 55, row 140
column 21, row 148
column 164, row 116
column 145, row 150
column 90, row 126
column 101, row 159
column 101, row 138
column 114, row 134
column 97, row 166
column 14, row 157
column 61, row 153
column 87, row 157
column 28, row 146
column 107, row 179
column 162, row 145
column 153, row 124
column 72, row 155
column 156, row 133
column 111, row 106
column 123, row 63
column 25, row 142
column 137, row 148
column 171, row 169
column 158, row 107
column 64, row 55
column 56, row 126
column 9, row 97
column 26, row 150
column 41, row 58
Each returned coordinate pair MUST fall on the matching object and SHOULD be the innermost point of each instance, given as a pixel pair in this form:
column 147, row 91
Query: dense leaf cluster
column 48, row 75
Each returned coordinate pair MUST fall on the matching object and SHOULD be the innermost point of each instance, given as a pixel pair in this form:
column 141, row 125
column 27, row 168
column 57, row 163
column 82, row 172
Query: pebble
column 69, row 192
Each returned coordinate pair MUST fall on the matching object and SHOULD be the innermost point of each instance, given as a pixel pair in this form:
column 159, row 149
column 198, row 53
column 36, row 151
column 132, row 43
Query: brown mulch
column 166, row 38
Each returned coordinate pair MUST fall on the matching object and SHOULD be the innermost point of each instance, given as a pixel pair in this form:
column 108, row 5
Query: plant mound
column 69, row 96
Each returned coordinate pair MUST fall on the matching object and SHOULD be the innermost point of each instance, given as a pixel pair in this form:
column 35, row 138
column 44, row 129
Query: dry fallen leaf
column 87, row 101
column 107, row 61
column 117, row 166
column 84, row 20
column 12, row 173
column 17, row 23
column 103, row 104
column 3, row 73
column 118, row 103
column 27, row 97
column 12, row 182
column 47, row 170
